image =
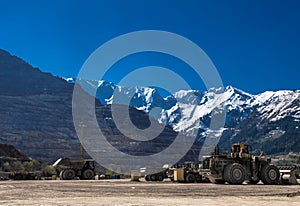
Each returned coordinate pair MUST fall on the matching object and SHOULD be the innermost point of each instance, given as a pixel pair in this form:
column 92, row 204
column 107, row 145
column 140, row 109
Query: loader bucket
column 288, row 175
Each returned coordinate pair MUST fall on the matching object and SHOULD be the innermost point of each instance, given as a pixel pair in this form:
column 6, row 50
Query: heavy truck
column 240, row 166
column 155, row 174
column 69, row 168
column 188, row 172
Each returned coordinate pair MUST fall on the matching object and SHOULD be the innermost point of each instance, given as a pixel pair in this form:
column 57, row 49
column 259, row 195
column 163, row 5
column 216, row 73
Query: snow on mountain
column 69, row 79
column 187, row 110
column 193, row 115
column 277, row 105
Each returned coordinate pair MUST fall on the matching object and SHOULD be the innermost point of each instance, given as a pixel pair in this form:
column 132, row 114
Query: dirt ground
column 127, row 193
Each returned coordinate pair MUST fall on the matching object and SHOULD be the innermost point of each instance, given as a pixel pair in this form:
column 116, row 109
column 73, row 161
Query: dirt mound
column 10, row 152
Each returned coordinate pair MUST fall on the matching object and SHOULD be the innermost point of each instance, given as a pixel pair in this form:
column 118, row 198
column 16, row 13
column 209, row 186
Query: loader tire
column 234, row 174
column 190, row 178
column 88, row 174
column 68, row 174
column 270, row 175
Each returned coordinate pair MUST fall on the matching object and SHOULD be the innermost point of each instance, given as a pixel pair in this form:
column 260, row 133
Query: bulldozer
column 240, row 166
column 69, row 168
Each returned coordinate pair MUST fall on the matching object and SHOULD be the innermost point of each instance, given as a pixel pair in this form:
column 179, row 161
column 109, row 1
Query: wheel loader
column 189, row 172
column 69, row 168
column 240, row 166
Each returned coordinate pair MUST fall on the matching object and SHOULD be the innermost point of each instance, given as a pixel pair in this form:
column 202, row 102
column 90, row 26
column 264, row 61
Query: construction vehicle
column 189, row 172
column 240, row 166
column 159, row 176
column 155, row 174
column 69, row 168
column 22, row 175
column 288, row 175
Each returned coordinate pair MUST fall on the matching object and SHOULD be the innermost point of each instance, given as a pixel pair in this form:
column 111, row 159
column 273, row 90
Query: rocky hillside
column 36, row 115
column 9, row 152
column 35, row 110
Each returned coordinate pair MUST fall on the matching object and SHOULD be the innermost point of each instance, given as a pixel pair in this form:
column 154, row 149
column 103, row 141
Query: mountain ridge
column 234, row 99
column 36, row 115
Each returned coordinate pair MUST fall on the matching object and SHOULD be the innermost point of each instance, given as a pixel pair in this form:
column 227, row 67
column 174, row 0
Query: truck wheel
column 160, row 177
column 147, row 178
column 234, row 174
column 153, row 177
column 68, row 174
column 88, row 174
column 270, row 175
column 190, row 178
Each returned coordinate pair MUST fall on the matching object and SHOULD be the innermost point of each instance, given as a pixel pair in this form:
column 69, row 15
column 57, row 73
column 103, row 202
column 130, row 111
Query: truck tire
column 160, row 177
column 147, row 178
column 270, row 175
column 68, row 174
column 88, row 174
column 234, row 174
column 153, row 177
column 190, row 178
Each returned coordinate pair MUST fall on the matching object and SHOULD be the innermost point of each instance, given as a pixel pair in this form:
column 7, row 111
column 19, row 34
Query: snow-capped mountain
column 37, row 113
column 274, row 106
column 189, row 109
column 270, row 121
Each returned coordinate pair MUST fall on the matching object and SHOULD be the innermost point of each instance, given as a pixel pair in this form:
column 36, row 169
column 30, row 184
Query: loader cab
column 89, row 164
column 190, row 165
column 240, row 150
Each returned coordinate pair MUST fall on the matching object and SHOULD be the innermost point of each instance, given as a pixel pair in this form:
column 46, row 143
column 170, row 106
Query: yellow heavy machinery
column 189, row 172
column 288, row 175
column 69, row 168
column 240, row 166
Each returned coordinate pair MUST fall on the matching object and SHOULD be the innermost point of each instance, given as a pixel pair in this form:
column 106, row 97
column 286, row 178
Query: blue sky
column 253, row 44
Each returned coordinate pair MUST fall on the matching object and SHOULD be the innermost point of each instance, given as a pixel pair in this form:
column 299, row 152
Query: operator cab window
column 246, row 148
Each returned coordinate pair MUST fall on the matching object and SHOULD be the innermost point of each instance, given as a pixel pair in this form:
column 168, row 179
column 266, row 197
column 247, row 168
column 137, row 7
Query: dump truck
column 240, row 166
column 69, row 168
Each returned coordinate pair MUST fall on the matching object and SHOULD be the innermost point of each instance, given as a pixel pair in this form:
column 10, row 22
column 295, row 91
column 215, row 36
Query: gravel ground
column 127, row 193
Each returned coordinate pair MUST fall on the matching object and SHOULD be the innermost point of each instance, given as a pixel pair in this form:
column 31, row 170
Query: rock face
column 36, row 115
column 9, row 152
column 35, row 110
